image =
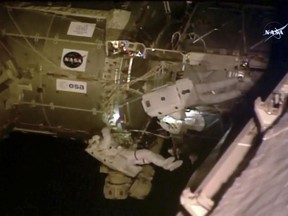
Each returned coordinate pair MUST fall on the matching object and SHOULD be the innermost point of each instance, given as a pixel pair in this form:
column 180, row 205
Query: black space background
column 42, row 175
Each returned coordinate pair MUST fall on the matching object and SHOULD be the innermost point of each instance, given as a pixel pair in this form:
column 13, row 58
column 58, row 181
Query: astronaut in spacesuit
column 126, row 160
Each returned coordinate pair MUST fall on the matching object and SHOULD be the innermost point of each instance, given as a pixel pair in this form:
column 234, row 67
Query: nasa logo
column 72, row 59
column 274, row 29
column 76, row 86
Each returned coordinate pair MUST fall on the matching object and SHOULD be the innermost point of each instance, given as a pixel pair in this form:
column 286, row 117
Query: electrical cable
column 151, row 133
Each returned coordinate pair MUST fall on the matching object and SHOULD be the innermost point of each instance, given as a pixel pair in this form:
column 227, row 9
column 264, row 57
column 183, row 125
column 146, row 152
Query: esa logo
column 76, row 86
column 71, row 86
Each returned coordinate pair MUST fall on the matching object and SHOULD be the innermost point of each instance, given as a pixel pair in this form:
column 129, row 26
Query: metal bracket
column 268, row 112
column 196, row 204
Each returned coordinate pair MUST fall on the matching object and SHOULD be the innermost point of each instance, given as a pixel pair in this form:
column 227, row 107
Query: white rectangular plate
column 81, row 29
column 71, row 86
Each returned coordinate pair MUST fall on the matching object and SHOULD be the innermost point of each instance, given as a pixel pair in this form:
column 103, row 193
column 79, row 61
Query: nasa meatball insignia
column 73, row 59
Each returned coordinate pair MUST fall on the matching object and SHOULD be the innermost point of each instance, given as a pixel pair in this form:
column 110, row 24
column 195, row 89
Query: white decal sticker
column 71, row 86
column 74, row 59
column 81, row 29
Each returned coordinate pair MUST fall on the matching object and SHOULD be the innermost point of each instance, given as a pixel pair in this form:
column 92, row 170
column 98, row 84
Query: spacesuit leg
column 214, row 86
column 218, row 98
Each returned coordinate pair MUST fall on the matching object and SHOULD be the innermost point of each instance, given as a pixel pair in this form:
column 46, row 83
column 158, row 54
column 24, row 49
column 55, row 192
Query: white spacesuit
column 169, row 103
column 126, row 160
